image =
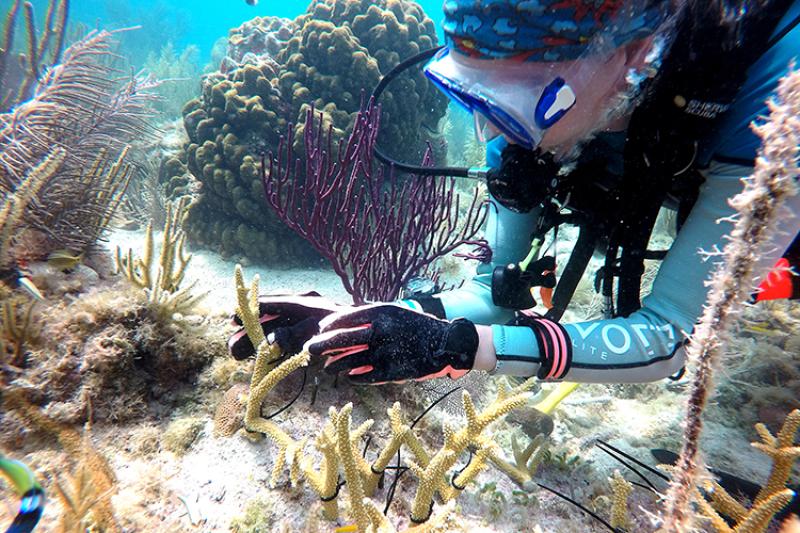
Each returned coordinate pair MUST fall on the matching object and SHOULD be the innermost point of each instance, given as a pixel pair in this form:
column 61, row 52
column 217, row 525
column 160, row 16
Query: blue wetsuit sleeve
column 648, row 344
column 509, row 237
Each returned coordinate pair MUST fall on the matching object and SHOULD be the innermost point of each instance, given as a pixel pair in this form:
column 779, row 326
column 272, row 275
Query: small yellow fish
column 64, row 259
column 346, row 529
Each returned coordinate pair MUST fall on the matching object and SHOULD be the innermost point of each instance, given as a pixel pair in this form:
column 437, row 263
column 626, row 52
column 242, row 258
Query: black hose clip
column 511, row 286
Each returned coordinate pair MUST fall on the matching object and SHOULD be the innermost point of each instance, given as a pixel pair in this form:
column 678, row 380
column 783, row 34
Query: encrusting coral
column 276, row 69
column 229, row 414
column 757, row 209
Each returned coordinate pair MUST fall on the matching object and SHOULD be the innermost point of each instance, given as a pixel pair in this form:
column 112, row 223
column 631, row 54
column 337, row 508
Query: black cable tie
column 335, row 494
column 454, row 484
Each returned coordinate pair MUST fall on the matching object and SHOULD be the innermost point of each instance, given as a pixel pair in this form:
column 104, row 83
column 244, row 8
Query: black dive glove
column 288, row 320
column 387, row 343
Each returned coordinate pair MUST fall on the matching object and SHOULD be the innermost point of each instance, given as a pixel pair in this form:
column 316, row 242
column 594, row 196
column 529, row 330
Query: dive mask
column 517, row 104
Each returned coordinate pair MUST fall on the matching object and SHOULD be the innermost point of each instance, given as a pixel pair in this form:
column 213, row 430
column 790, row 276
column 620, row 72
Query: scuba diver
column 595, row 114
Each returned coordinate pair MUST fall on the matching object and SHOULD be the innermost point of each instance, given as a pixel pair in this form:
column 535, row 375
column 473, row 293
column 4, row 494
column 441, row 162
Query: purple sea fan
column 377, row 230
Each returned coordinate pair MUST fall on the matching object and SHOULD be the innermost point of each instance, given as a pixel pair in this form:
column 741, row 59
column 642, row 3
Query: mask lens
column 450, row 87
column 504, row 123
column 485, row 131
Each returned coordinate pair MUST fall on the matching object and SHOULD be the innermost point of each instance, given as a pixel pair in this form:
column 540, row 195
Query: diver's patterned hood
column 545, row 30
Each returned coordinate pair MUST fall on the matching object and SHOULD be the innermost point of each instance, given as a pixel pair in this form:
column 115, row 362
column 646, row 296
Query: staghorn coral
column 275, row 70
column 772, row 497
column 456, row 442
column 79, row 106
column 325, row 481
column 758, row 205
column 18, row 78
column 526, row 461
column 352, row 473
column 338, row 442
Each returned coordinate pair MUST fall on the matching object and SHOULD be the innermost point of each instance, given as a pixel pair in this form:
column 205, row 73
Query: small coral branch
column 621, row 490
column 325, row 481
column 758, row 206
column 265, row 377
column 781, row 450
column 471, row 435
column 162, row 286
column 377, row 230
column 352, row 473
column 15, row 333
column 772, row 497
column 526, row 461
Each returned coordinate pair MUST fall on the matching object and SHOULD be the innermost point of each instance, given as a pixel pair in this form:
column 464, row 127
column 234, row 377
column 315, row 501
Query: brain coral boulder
column 275, row 69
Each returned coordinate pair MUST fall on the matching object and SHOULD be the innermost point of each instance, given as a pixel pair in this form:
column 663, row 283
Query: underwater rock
column 108, row 348
column 274, row 70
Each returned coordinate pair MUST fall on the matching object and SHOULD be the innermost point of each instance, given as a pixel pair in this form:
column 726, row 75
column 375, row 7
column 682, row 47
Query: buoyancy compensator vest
column 697, row 83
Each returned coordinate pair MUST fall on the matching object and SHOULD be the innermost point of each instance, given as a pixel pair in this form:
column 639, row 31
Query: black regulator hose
column 457, row 172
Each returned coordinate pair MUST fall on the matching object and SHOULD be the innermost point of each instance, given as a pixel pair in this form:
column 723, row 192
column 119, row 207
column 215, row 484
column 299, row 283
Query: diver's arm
column 648, row 344
column 509, row 237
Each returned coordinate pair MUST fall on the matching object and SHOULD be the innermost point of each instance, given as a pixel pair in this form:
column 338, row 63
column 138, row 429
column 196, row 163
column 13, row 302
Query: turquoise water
column 200, row 25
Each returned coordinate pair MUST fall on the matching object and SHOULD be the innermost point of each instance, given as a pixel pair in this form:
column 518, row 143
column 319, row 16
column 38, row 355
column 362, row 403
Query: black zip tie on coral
column 339, row 485
column 390, row 496
column 398, row 472
column 364, row 453
column 606, row 447
column 430, row 512
column 314, row 391
column 581, row 507
column 458, row 473
column 288, row 405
